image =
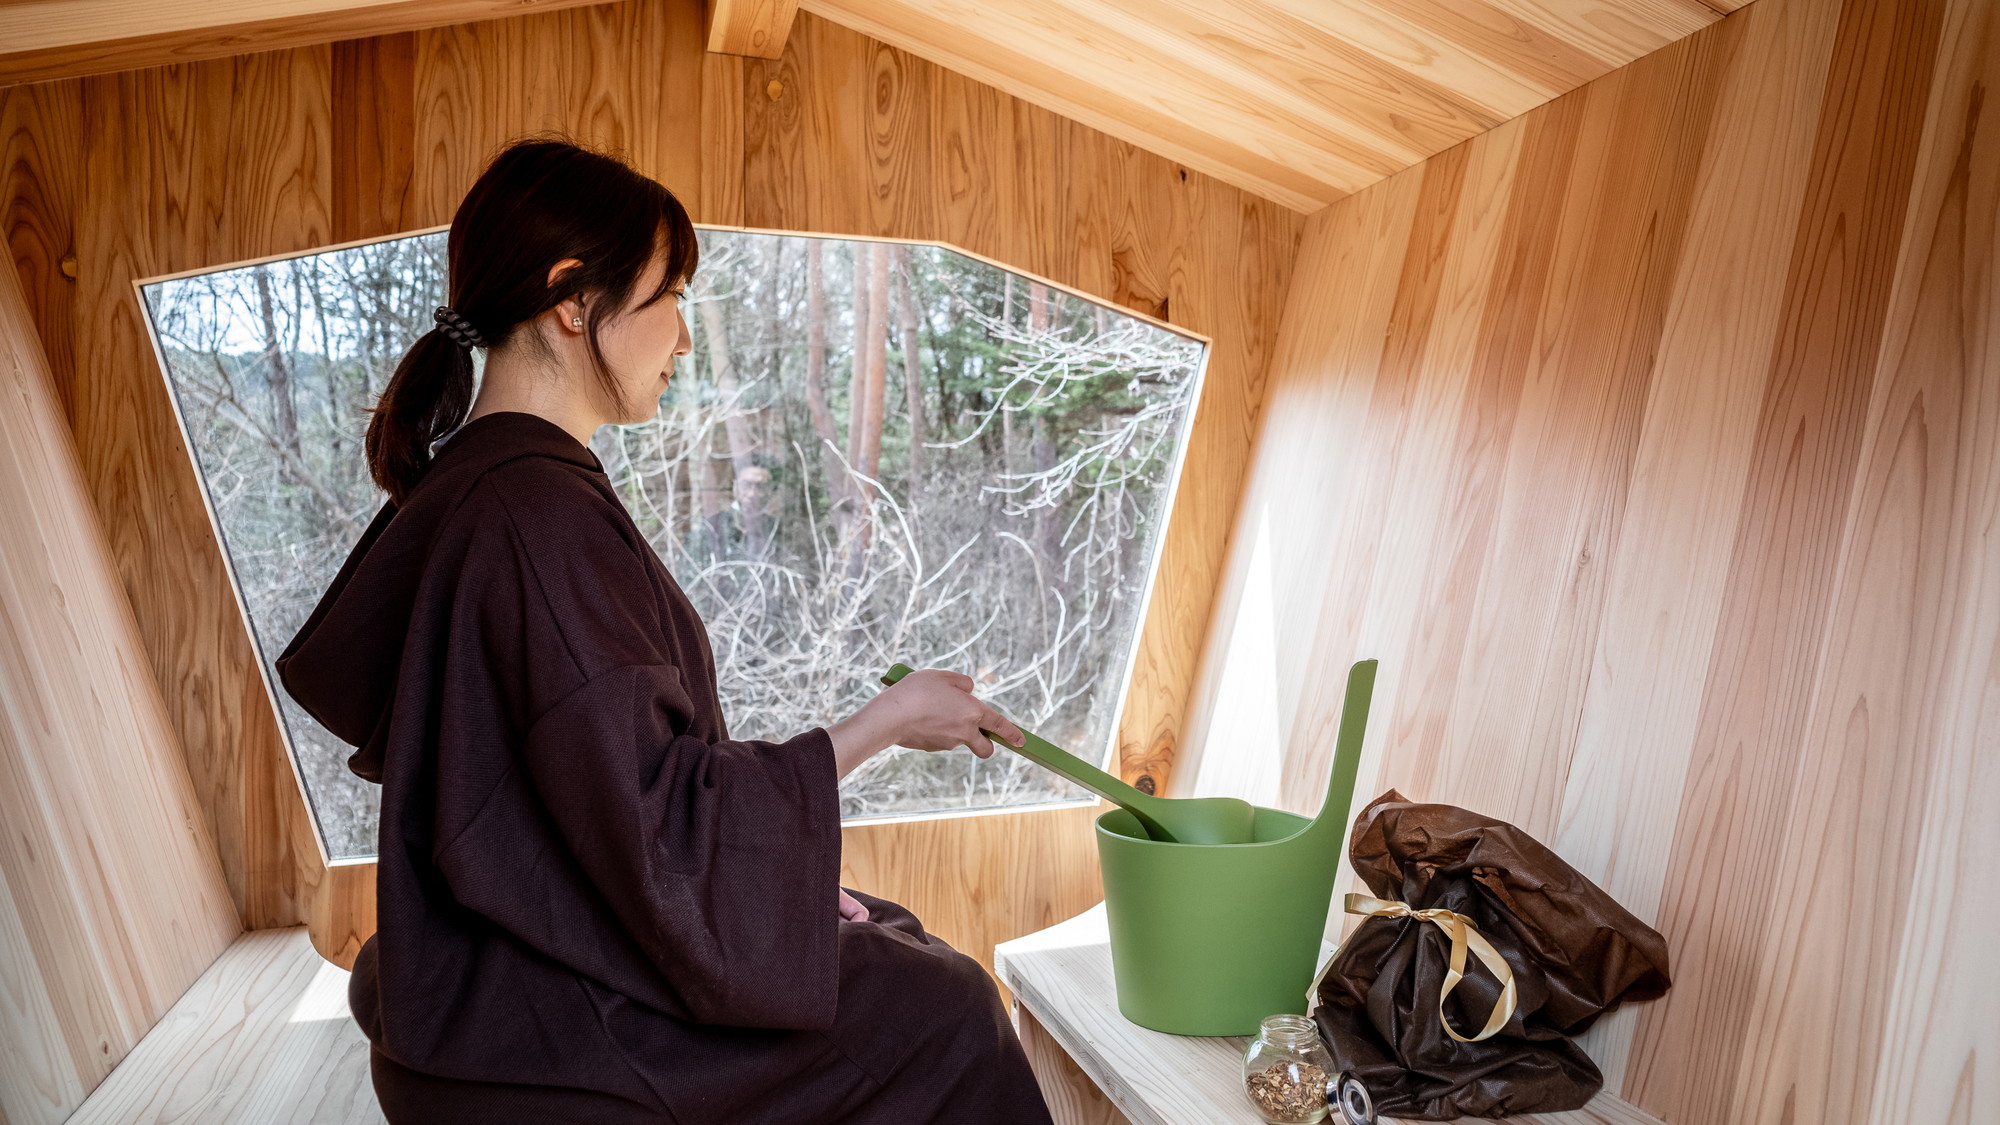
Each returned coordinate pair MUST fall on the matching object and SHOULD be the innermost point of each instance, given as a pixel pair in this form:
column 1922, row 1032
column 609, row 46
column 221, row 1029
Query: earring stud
column 577, row 321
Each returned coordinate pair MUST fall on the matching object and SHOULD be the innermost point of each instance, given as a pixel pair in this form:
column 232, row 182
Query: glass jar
column 1285, row 1071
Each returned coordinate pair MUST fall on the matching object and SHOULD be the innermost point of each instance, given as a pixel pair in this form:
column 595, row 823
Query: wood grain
column 373, row 132
column 169, row 182
column 1351, row 259
column 263, row 1038
column 112, row 898
column 1876, row 890
column 51, row 39
column 1073, row 1099
column 1773, row 614
column 629, row 78
column 977, row 881
column 756, row 28
column 1645, row 438
column 1300, row 103
column 41, row 152
column 1670, row 570
column 343, row 912
column 1924, row 612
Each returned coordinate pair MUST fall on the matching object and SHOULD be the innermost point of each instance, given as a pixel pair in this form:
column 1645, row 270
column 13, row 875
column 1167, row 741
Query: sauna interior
column 1624, row 375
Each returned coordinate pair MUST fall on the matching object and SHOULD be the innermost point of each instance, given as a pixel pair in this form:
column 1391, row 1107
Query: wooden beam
column 374, row 136
column 50, row 39
column 756, row 28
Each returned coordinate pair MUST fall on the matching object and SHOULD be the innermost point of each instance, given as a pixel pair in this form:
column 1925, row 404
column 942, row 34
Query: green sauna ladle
column 1173, row 820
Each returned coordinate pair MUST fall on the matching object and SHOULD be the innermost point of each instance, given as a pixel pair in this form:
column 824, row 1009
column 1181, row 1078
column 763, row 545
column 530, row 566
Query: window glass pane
column 876, row 453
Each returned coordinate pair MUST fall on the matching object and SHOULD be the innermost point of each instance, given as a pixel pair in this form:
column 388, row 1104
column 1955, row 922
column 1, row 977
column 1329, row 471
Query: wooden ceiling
column 1299, row 101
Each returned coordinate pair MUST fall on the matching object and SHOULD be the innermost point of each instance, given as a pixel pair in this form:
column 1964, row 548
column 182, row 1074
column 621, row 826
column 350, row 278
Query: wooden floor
column 263, row 1038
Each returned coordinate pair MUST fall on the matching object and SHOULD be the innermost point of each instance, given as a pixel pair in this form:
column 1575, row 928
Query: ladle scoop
column 1173, row 820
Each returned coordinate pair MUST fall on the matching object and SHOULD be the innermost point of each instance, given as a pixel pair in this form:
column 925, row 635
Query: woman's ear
column 569, row 311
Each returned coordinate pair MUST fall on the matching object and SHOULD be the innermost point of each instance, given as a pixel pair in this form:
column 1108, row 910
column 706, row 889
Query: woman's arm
column 928, row 710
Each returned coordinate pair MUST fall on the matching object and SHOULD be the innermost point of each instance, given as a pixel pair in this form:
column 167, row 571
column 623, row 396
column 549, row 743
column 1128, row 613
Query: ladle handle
column 1052, row 757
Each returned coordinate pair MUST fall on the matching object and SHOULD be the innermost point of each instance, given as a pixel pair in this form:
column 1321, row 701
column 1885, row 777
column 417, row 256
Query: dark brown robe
column 593, row 904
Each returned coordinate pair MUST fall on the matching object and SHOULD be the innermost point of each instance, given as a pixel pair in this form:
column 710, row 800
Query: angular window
column 877, row 452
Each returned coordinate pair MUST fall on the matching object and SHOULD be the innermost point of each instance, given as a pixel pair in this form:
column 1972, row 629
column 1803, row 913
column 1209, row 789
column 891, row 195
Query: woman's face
column 640, row 345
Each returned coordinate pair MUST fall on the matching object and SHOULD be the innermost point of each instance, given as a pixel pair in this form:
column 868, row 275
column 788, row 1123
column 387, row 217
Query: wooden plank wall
column 1652, row 441
column 111, row 898
column 207, row 163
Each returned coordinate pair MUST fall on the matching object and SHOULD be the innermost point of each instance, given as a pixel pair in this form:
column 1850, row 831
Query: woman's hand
column 850, row 910
column 928, row 710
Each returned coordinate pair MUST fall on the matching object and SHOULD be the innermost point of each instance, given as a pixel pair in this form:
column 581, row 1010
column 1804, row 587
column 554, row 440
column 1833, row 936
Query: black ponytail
column 426, row 399
column 538, row 203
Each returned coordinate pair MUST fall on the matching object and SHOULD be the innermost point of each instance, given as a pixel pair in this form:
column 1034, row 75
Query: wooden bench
column 1098, row 1068
column 265, row 1038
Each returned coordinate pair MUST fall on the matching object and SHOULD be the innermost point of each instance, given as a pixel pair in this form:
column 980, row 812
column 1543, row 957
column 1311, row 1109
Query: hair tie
column 453, row 324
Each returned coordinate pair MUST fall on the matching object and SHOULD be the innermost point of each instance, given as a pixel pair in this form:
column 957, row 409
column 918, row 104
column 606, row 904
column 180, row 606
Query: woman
column 593, row 904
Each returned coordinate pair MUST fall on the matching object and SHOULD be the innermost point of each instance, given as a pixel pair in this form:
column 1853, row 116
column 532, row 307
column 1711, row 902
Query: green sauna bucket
column 1208, row 939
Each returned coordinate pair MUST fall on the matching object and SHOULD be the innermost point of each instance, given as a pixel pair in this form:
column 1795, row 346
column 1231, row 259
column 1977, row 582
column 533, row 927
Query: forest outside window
column 877, row 452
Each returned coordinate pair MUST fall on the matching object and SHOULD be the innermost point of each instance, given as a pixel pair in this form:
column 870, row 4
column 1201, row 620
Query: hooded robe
column 593, row 904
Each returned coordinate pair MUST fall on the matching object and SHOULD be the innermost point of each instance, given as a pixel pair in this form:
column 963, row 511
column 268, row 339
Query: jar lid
column 1345, row 1093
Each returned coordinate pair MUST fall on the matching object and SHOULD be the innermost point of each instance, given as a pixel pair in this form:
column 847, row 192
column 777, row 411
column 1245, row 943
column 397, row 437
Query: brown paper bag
column 1571, row 951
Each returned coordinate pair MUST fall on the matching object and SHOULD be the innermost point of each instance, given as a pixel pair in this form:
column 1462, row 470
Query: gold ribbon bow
column 1462, row 933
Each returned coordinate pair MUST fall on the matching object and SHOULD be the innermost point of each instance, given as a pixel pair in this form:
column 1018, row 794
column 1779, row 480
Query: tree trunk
column 284, row 414
column 750, row 478
column 1042, row 451
column 913, row 373
column 852, row 518
column 857, row 378
column 1048, row 519
column 712, row 501
column 822, row 414
column 870, row 459
column 865, row 395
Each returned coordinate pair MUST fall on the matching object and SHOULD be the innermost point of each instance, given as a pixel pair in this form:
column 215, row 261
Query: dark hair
column 540, row 201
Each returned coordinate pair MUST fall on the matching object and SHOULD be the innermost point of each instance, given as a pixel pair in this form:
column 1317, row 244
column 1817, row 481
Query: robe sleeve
column 720, row 858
